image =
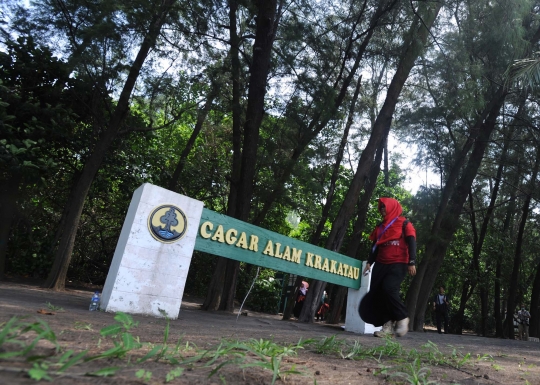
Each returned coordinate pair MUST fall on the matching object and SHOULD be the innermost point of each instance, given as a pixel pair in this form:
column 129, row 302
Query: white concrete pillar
column 353, row 322
column 151, row 261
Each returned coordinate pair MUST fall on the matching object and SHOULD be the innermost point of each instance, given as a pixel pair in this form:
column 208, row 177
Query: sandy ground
column 503, row 361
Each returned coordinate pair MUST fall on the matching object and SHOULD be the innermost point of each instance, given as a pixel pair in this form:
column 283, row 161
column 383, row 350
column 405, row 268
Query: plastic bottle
column 94, row 303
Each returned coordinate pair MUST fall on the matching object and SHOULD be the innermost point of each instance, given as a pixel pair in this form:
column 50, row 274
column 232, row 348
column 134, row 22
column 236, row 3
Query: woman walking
column 394, row 255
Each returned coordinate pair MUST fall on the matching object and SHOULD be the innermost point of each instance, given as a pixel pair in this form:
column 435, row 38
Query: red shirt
column 394, row 250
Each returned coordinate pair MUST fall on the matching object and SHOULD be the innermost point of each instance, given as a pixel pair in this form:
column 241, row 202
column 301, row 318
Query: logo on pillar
column 167, row 223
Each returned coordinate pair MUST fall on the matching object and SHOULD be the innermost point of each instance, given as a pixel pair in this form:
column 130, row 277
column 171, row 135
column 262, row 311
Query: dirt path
column 446, row 361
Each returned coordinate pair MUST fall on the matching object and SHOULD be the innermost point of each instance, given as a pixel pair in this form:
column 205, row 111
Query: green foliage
column 52, row 307
column 266, row 293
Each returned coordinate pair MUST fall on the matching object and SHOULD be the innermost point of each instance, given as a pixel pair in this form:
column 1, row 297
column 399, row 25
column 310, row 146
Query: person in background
column 394, row 255
column 523, row 323
column 440, row 306
column 302, row 292
column 323, row 308
column 324, row 296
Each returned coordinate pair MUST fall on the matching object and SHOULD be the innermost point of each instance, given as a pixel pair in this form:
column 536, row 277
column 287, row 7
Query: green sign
column 230, row 238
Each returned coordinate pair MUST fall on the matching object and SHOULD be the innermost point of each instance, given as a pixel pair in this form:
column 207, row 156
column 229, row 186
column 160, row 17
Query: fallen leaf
column 43, row 311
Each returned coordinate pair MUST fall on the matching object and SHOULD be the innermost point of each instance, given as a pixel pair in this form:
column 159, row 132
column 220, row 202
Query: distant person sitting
column 441, row 305
column 523, row 323
column 302, row 292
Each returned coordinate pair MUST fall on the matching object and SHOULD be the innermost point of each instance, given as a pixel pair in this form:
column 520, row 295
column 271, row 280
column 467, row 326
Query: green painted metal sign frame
column 231, row 238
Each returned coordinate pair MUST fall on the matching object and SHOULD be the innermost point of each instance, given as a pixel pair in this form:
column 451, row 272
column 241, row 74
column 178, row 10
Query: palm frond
column 524, row 72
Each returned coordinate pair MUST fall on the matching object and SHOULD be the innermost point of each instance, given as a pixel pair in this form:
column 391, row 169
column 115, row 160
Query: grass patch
column 127, row 352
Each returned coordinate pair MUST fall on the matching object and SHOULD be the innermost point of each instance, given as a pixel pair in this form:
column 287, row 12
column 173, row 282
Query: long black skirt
column 382, row 302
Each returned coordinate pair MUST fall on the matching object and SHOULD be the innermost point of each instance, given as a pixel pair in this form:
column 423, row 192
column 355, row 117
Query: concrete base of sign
column 353, row 322
column 148, row 276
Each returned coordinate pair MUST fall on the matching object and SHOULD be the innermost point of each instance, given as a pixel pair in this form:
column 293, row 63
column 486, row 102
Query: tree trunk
column 9, row 189
column 485, row 223
column 335, row 170
column 74, row 206
column 329, row 197
column 510, row 212
column 413, row 46
column 216, row 286
column 386, row 171
column 291, row 299
column 321, row 118
column 447, row 219
column 534, row 327
column 201, row 117
column 497, row 302
column 356, row 236
column 457, row 325
column 267, row 23
column 514, row 280
column 448, row 213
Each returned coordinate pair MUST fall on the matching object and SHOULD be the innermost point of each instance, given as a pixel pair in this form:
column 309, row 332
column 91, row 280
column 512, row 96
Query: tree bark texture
column 74, row 206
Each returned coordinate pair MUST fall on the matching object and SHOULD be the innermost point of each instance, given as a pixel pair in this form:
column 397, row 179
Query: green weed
column 51, row 307
column 175, row 373
column 40, row 372
column 414, row 373
column 274, row 365
column 391, row 348
column 459, row 359
column 270, row 348
column 79, row 325
column 329, row 345
column 105, row 372
column 124, row 342
column 144, row 375
column 15, row 328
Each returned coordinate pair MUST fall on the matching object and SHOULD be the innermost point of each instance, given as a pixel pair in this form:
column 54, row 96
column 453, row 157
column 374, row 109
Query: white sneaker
column 387, row 330
column 402, row 327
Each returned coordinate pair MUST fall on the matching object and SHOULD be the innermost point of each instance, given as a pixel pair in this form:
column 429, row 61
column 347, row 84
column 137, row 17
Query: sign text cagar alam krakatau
column 228, row 237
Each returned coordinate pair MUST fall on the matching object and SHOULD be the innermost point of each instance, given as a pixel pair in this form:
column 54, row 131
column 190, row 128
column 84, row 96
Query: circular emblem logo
column 167, row 223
